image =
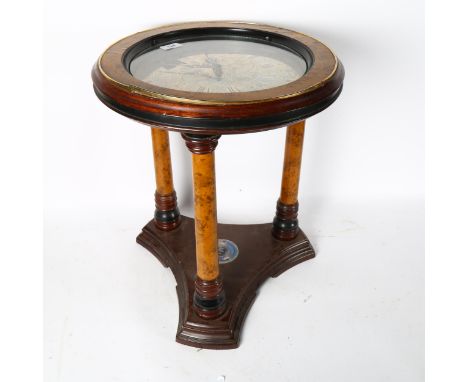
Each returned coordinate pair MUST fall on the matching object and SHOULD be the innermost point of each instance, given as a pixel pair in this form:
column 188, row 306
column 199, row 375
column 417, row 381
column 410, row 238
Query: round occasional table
column 204, row 80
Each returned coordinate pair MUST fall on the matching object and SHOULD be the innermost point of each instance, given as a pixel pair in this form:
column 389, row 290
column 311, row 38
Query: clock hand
column 175, row 63
column 232, row 89
column 189, row 73
column 218, row 71
column 180, row 62
column 215, row 66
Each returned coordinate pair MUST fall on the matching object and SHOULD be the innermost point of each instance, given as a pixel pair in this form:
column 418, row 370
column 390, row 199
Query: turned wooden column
column 209, row 298
column 285, row 223
column 167, row 215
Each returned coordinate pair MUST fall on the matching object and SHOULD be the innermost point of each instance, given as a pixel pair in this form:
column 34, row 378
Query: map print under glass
column 218, row 66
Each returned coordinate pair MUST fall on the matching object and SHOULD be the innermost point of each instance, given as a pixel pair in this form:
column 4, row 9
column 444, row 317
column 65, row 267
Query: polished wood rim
column 217, row 112
column 324, row 68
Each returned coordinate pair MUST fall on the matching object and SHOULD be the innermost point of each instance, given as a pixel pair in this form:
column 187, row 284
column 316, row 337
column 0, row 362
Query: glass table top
column 218, row 66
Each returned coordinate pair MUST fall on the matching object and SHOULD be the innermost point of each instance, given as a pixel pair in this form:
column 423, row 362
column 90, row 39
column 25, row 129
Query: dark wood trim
column 201, row 144
column 209, row 298
column 220, row 125
column 285, row 223
column 166, row 215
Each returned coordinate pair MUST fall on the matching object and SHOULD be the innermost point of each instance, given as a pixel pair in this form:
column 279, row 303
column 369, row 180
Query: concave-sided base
column 260, row 256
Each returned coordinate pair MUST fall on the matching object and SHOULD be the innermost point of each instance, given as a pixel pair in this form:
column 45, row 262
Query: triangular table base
column 260, row 256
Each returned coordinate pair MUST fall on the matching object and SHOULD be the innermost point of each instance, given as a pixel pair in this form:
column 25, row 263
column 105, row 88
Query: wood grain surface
column 292, row 163
column 162, row 161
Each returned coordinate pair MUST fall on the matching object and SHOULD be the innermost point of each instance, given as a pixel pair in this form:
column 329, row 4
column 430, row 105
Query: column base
column 285, row 223
column 209, row 299
column 166, row 216
column 260, row 256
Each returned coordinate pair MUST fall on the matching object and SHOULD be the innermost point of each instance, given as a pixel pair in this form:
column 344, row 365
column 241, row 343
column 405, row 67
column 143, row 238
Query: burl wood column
column 166, row 216
column 285, row 223
column 209, row 297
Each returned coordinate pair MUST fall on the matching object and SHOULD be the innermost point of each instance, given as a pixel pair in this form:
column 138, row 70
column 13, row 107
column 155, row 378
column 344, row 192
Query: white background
column 355, row 312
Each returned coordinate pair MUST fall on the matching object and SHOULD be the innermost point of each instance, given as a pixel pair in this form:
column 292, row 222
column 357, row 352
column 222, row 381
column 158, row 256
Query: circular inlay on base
column 227, row 251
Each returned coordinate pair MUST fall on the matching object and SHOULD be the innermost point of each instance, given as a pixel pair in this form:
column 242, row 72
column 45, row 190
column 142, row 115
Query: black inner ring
column 197, row 34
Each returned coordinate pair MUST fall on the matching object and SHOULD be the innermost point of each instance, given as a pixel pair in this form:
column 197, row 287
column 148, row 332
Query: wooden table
column 205, row 80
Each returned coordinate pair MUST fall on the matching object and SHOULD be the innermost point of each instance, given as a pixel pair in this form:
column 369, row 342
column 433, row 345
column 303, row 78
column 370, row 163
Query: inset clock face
column 218, row 66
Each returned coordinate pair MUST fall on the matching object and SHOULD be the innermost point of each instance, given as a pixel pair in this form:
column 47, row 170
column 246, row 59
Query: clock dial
column 218, row 66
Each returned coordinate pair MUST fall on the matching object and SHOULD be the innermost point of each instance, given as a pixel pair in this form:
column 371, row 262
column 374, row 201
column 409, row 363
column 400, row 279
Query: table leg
column 285, row 223
column 209, row 297
column 167, row 215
